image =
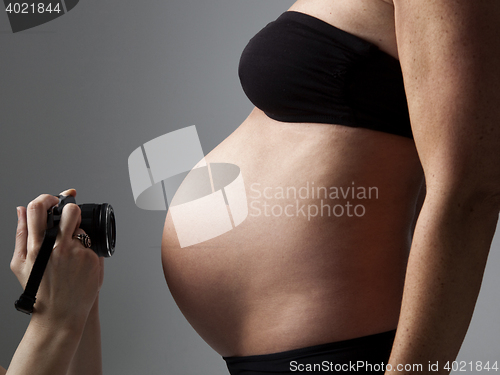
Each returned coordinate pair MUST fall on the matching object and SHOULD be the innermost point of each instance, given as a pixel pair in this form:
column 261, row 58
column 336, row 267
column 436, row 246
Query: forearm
column 447, row 260
column 88, row 359
column 45, row 351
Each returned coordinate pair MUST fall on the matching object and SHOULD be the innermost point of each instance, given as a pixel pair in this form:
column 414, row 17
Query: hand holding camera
column 64, row 332
column 73, row 275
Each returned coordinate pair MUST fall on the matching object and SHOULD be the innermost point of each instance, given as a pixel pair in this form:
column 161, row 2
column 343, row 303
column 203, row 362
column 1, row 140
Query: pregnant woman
column 386, row 112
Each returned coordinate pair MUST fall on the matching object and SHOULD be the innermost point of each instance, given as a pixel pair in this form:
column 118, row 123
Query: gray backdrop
column 77, row 96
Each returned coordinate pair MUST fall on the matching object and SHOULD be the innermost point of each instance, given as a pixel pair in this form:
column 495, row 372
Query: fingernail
column 18, row 212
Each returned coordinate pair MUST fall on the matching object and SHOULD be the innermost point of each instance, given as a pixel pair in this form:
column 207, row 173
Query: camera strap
column 27, row 300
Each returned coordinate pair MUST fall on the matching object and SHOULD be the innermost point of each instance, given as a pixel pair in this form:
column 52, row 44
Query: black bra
column 302, row 69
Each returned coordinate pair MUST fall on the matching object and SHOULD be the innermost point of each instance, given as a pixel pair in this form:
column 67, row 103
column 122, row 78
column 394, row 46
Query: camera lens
column 98, row 221
column 109, row 224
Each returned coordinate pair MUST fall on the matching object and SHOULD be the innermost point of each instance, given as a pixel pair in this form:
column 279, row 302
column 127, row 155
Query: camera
column 98, row 221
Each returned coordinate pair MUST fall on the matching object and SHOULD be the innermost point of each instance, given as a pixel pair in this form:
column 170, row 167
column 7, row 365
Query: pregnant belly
column 321, row 255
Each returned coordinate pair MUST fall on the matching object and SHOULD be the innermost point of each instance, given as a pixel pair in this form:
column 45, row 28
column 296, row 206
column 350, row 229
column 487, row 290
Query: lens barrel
column 98, row 221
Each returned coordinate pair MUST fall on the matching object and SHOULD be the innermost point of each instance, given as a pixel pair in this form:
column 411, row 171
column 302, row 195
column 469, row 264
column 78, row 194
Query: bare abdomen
column 296, row 273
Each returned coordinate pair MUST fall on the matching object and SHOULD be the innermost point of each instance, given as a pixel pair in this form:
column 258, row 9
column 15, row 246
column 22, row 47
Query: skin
column 277, row 283
column 63, row 336
column 449, row 52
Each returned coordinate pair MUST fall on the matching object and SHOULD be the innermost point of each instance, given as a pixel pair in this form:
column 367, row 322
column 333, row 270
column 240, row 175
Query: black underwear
column 302, row 69
column 363, row 355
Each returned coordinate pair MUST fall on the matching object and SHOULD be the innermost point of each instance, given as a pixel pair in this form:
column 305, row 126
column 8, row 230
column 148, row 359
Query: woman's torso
column 279, row 282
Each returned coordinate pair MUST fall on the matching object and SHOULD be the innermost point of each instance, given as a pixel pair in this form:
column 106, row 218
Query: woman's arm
column 450, row 56
column 45, row 350
column 88, row 359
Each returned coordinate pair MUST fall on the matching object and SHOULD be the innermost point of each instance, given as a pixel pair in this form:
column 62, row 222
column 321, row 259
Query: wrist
column 44, row 349
column 93, row 317
column 52, row 338
column 95, row 306
column 64, row 327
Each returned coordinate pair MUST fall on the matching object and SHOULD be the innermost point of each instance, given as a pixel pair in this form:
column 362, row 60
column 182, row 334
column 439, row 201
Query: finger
column 71, row 192
column 37, row 220
column 70, row 219
column 79, row 219
column 79, row 231
column 21, row 235
column 68, row 192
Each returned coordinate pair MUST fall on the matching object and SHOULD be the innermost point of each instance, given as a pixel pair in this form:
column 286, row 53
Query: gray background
column 77, row 96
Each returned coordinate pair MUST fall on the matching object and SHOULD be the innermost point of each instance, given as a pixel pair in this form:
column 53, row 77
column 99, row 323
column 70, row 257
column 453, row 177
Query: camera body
column 98, row 221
